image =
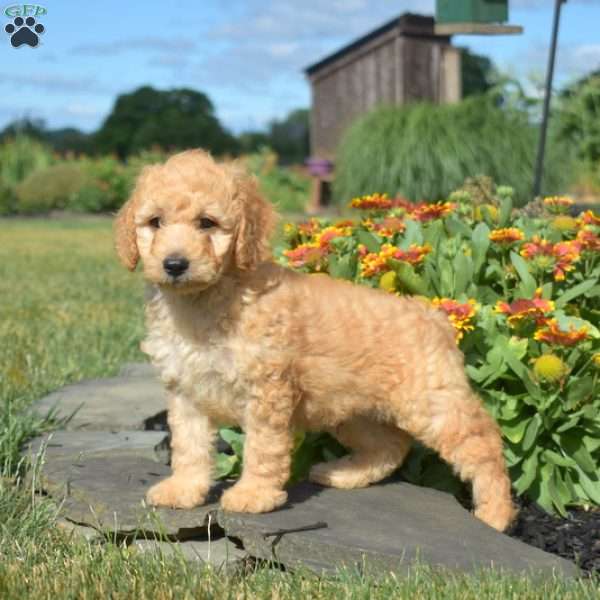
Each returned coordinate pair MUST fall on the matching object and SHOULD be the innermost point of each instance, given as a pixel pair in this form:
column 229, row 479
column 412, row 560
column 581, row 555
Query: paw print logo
column 24, row 31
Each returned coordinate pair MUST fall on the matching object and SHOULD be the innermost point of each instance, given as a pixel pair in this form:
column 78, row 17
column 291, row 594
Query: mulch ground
column 576, row 538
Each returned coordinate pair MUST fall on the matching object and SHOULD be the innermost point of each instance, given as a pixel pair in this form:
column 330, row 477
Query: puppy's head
column 191, row 220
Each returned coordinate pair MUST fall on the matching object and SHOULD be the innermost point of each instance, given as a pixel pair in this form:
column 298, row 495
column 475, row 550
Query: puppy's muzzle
column 175, row 265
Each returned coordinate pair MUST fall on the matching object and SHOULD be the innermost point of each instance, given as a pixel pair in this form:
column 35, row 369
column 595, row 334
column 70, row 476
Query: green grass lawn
column 69, row 311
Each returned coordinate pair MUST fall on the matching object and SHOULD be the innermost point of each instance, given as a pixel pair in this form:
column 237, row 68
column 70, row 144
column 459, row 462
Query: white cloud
column 52, row 82
column 157, row 43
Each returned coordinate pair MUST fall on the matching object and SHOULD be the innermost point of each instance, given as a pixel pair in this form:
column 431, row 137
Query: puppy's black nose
column 176, row 265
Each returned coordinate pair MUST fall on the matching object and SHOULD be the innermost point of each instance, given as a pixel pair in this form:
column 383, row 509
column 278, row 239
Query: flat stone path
column 99, row 479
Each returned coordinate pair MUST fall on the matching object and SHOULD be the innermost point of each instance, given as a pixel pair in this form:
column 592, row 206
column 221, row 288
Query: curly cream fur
column 240, row 340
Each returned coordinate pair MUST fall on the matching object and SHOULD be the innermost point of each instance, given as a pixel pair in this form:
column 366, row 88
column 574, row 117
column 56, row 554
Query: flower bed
column 523, row 294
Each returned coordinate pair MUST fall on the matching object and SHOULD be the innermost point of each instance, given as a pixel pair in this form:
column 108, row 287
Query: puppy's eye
column 154, row 223
column 206, row 223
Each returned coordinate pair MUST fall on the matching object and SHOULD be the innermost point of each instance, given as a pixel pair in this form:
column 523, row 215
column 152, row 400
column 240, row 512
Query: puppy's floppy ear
column 125, row 235
column 257, row 220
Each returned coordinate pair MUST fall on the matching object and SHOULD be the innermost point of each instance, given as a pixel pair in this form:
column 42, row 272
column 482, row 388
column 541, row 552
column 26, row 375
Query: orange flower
column 588, row 240
column 590, row 218
column 372, row 202
column 508, row 235
column 309, row 228
column 387, row 228
column 558, row 204
column 374, row 263
column 524, row 308
column 323, row 238
column 560, row 256
column 552, row 334
column 566, row 253
column 306, row 255
column 536, row 247
column 460, row 315
column 428, row 212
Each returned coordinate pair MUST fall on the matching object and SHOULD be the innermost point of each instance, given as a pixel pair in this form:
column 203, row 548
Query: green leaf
column 557, row 459
column 225, row 465
column 590, row 486
column 505, row 211
column 234, row 438
column 575, row 291
column 408, row 278
column 529, row 472
column 531, row 432
column 572, row 443
column 481, row 242
column 370, row 240
column 528, row 282
column 515, row 431
column 463, row 272
column 455, row 227
column 580, row 390
column 591, row 443
column 413, row 234
column 342, row 267
column 555, row 495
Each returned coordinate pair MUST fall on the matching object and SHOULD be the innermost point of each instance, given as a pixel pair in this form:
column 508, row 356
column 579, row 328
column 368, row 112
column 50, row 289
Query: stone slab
column 101, row 483
column 100, row 479
column 68, row 443
column 218, row 553
column 383, row 528
column 125, row 402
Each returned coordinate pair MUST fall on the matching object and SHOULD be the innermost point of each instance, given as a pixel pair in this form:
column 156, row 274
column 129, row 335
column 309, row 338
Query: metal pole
column 539, row 167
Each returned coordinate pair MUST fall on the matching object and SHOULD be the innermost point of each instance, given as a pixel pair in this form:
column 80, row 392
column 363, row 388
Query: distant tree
column 31, row 127
column 69, row 139
column 579, row 116
column 477, row 73
column 290, row 136
column 251, row 141
column 172, row 119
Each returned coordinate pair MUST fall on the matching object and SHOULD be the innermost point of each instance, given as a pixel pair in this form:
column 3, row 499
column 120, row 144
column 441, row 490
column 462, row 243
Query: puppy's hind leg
column 377, row 450
column 455, row 423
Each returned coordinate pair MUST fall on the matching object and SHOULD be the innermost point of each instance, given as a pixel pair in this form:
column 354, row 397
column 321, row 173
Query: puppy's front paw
column 176, row 492
column 252, row 499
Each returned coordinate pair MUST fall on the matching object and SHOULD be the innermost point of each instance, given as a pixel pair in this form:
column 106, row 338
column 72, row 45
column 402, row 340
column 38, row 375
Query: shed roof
column 407, row 24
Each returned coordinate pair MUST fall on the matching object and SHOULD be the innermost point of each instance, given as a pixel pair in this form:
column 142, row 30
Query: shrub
column 524, row 298
column 107, row 188
column 21, row 156
column 51, row 188
column 426, row 151
column 7, row 199
column 287, row 188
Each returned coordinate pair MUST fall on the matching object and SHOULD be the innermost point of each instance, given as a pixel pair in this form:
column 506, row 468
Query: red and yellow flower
column 460, row 314
column 306, row 255
column 386, row 228
column 508, row 235
column 524, row 308
column 372, row 202
column 558, row 204
column 377, row 262
column 313, row 253
column 428, row 212
column 588, row 240
column 545, row 254
column 552, row 334
column 590, row 218
column 309, row 228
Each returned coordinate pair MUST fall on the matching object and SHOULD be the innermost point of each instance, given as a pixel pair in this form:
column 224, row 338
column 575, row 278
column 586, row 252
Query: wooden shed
column 399, row 62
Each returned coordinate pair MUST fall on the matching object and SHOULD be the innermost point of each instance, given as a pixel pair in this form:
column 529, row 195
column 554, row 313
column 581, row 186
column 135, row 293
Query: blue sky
column 247, row 55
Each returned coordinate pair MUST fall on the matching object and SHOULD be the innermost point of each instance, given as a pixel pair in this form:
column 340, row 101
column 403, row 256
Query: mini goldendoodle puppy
column 242, row 341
